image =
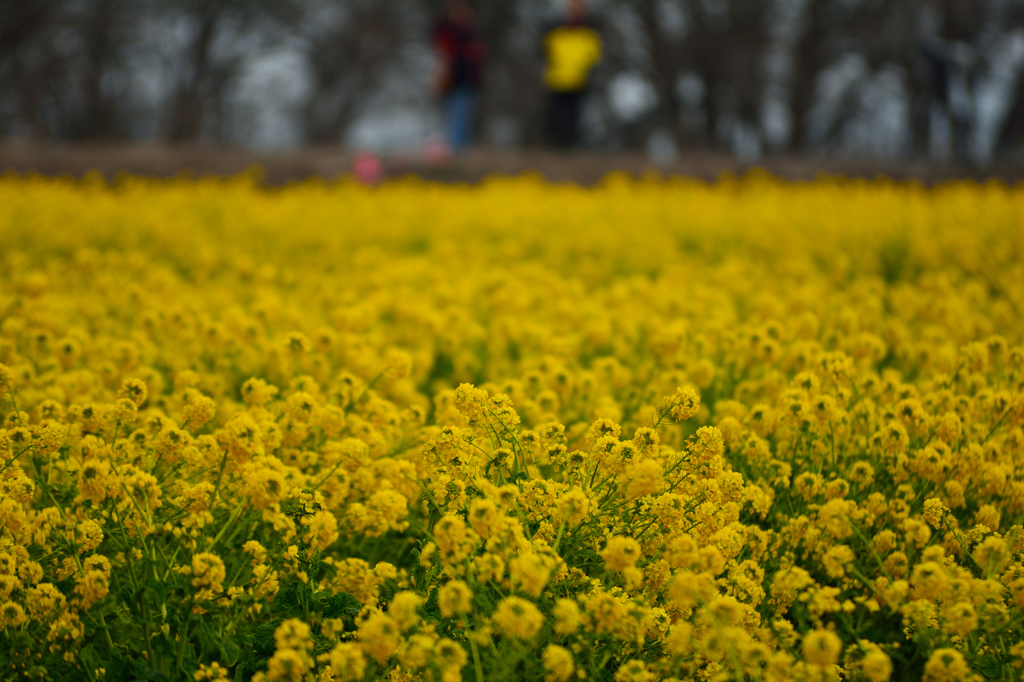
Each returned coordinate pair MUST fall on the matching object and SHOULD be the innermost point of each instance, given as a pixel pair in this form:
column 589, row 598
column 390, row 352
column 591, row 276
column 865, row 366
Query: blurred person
column 572, row 47
column 459, row 75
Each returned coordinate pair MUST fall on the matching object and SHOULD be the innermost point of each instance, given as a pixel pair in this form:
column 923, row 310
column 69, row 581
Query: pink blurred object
column 368, row 168
column 438, row 152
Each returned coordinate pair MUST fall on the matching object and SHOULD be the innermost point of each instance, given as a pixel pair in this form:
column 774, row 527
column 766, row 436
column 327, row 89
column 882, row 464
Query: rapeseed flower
column 401, row 437
column 821, row 648
column 516, row 617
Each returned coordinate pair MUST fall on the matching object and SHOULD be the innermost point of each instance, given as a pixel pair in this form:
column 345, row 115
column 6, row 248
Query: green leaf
column 263, row 637
column 90, row 659
column 230, row 651
column 155, row 591
column 252, row 666
column 122, row 666
column 989, row 667
column 326, row 570
column 431, row 609
column 287, row 598
column 209, row 640
column 340, row 605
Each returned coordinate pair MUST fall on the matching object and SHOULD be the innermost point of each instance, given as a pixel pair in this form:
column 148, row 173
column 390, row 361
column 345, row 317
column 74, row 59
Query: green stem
column 478, row 667
column 140, row 595
column 366, row 390
column 106, row 633
column 183, row 638
column 220, row 475
column 870, row 547
column 234, row 516
column 561, row 531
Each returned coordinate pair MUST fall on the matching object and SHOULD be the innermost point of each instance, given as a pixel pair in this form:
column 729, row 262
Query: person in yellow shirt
column 572, row 47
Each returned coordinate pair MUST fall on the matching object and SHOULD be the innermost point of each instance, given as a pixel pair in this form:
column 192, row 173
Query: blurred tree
column 512, row 105
column 59, row 58
column 720, row 43
column 222, row 36
column 100, row 46
column 349, row 44
column 868, row 76
column 21, row 24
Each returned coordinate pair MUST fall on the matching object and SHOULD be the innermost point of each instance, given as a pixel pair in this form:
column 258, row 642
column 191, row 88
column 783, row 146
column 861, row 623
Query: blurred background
column 699, row 84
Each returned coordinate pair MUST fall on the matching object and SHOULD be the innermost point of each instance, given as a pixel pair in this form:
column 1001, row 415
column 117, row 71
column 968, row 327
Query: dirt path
column 585, row 167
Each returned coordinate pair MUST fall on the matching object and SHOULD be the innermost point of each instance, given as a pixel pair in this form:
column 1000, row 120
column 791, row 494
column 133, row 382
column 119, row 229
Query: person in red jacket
column 460, row 61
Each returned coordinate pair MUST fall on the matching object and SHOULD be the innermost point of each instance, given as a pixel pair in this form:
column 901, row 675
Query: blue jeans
column 459, row 108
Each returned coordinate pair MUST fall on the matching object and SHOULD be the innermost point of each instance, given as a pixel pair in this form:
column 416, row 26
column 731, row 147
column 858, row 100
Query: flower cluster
column 656, row 430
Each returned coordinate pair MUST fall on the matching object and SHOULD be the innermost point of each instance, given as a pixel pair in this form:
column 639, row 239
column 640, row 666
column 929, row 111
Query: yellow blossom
column 821, row 647
column 455, row 598
column 621, row 553
column 558, row 663
column 516, row 617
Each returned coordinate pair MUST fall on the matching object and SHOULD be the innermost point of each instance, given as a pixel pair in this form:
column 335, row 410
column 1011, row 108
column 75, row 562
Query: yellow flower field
column 654, row 430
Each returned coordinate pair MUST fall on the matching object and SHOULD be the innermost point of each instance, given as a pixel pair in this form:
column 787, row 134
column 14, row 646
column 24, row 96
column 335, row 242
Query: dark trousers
column 563, row 118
